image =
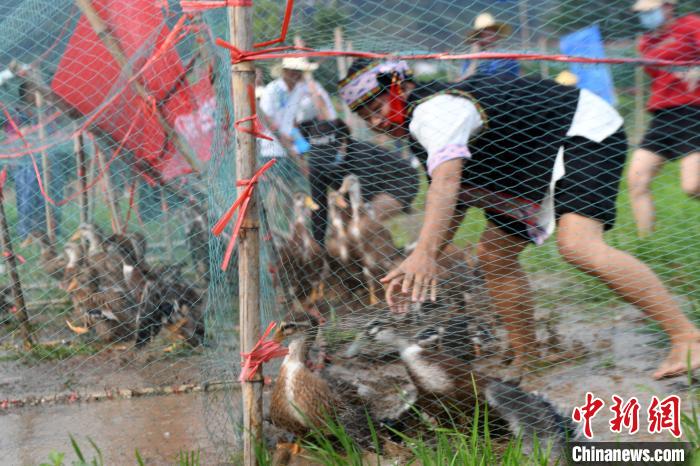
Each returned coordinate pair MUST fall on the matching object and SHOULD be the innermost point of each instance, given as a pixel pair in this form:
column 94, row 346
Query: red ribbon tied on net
column 262, row 352
column 242, row 202
column 257, row 128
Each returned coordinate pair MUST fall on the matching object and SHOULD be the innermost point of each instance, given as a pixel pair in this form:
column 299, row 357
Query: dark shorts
column 589, row 187
column 674, row 132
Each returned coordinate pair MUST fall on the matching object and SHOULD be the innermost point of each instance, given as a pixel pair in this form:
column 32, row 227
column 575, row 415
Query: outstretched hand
column 416, row 277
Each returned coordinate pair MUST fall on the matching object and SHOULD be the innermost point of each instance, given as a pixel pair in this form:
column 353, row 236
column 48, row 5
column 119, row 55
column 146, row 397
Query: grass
column 96, row 458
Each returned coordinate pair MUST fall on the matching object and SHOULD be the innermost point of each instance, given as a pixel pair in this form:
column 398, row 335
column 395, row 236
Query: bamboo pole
column 544, row 64
column 166, row 221
column 523, row 15
column 243, row 77
column 45, row 167
column 638, row 104
column 105, row 35
column 109, row 193
column 79, row 148
column 17, row 293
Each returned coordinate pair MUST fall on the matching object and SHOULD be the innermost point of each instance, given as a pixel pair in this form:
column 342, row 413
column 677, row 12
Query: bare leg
column 690, row 175
column 581, row 243
column 509, row 290
column 644, row 167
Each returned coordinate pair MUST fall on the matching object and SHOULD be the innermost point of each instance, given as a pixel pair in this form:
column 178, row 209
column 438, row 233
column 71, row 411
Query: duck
column 444, row 382
column 303, row 400
column 111, row 311
column 163, row 300
column 52, row 263
column 107, row 263
column 371, row 242
column 301, row 261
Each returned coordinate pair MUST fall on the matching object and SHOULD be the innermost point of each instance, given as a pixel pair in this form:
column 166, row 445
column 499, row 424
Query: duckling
column 444, row 381
column 51, row 262
column 301, row 260
column 302, row 400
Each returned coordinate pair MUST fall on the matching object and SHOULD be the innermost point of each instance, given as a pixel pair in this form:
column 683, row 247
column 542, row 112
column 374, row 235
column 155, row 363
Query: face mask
column 651, row 19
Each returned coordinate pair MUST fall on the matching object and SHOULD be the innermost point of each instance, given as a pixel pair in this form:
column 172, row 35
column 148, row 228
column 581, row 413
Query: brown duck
column 302, row 400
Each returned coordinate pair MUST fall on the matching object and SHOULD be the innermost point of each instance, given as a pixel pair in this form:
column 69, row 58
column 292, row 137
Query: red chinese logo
column 665, row 415
column 587, row 412
column 626, row 415
column 661, row 415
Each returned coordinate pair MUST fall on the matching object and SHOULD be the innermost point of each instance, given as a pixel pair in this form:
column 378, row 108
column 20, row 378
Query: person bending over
column 533, row 154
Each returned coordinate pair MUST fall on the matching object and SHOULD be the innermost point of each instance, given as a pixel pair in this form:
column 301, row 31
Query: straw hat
column 298, row 64
column 646, row 5
column 487, row 21
column 567, row 78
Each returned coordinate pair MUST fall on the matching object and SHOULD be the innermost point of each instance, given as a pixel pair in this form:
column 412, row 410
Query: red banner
column 88, row 75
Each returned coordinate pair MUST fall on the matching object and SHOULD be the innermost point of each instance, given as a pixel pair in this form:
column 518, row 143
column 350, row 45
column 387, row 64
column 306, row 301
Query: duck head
column 380, row 330
column 299, row 332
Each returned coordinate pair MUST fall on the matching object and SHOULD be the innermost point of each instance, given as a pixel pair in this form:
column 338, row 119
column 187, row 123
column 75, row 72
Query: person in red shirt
column 674, row 132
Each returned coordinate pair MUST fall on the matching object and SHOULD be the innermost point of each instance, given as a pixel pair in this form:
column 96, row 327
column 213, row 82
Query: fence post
column 18, row 295
column 243, row 78
column 45, row 167
column 79, row 148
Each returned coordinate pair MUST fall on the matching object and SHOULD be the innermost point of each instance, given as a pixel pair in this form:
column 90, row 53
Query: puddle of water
column 159, row 427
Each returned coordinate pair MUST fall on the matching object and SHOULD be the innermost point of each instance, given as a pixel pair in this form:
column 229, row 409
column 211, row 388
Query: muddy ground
column 609, row 350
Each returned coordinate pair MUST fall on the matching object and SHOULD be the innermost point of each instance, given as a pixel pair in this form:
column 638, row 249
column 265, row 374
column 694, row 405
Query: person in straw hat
column 484, row 36
column 537, row 157
column 674, row 102
column 292, row 98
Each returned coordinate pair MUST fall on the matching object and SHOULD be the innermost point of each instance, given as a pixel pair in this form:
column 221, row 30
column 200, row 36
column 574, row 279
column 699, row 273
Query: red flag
column 88, row 75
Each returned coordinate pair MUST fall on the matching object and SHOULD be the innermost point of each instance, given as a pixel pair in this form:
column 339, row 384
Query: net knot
column 241, row 202
column 262, row 352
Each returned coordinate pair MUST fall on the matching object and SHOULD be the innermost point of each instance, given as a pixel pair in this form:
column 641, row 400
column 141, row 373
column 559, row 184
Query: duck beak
column 278, row 337
column 355, row 347
column 76, row 236
column 76, row 329
column 310, row 204
column 341, row 202
column 72, row 285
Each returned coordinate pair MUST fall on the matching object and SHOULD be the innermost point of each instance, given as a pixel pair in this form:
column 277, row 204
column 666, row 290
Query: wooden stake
column 18, row 295
column 243, row 77
column 45, row 167
column 638, row 104
column 166, row 221
column 544, row 64
column 114, row 211
column 78, row 146
column 105, row 35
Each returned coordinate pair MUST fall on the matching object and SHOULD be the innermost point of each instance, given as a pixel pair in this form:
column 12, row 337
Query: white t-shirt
column 286, row 109
column 444, row 124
